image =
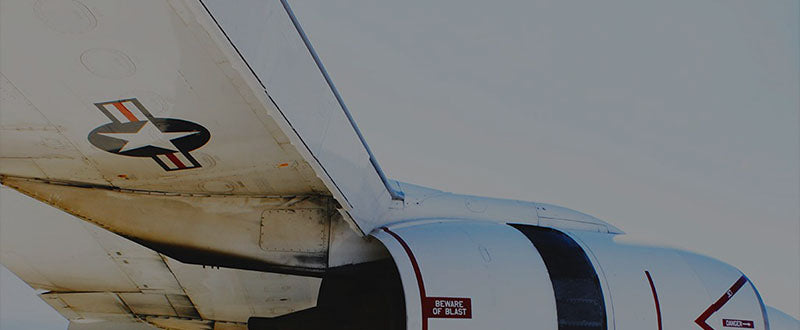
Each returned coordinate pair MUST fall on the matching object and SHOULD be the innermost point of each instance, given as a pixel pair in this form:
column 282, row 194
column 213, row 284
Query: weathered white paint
column 494, row 265
column 280, row 142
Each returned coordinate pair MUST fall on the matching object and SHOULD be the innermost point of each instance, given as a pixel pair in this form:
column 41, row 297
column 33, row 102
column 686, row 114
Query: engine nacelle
column 479, row 275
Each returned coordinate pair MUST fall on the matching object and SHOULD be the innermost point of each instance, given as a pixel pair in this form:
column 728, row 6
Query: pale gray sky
column 676, row 120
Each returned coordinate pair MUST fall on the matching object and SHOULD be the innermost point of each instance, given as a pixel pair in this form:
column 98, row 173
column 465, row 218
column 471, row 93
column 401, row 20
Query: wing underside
column 91, row 276
column 155, row 96
column 188, row 135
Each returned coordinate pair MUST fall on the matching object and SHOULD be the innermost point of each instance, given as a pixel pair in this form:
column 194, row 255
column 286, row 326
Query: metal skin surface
column 493, row 265
column 218, row 177
column 781, row 321
column 685, row 285
column 493, row 262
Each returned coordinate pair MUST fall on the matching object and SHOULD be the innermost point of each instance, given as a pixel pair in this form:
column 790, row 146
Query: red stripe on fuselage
column 655, row 298
column 701, row 320
column 417, row 272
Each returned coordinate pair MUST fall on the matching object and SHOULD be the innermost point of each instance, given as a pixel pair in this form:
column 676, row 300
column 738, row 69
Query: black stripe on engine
column 579, row 297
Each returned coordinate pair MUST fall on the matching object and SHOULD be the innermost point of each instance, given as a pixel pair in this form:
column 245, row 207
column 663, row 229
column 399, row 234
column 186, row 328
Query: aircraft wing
column 99, row 280
column 205, row 130
column 189, row 97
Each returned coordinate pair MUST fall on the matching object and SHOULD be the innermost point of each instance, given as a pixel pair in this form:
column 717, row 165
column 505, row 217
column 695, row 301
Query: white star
column 148, row 135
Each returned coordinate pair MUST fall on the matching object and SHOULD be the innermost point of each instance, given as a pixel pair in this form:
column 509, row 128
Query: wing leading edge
column 292, row 73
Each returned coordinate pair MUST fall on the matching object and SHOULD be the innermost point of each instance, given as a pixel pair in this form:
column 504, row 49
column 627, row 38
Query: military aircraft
column 223, row 184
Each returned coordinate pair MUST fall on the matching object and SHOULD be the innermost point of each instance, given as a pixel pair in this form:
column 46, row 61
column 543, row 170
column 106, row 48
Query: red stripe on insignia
column 701, row 320
column 125, row 112
column 184, row 159
column 175, row 160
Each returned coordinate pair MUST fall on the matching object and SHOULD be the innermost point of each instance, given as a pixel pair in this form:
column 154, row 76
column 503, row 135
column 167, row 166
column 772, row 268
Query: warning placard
column 447, row 308
column 745, row 324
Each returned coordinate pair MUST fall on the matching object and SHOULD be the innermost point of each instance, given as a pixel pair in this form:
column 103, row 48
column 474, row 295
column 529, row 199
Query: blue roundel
column 149, row 138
